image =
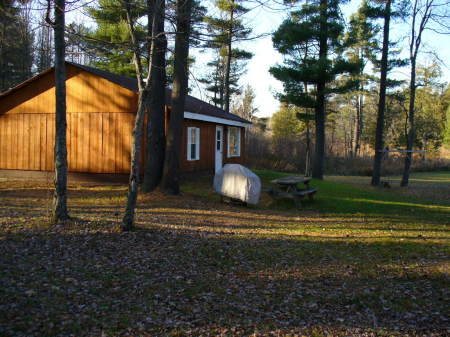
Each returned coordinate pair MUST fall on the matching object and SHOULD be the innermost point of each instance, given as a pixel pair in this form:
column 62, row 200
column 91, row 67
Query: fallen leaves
column 214, row 270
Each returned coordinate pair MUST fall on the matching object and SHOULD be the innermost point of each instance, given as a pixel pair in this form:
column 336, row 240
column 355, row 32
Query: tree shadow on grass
column 157, row 281
column 191, row 274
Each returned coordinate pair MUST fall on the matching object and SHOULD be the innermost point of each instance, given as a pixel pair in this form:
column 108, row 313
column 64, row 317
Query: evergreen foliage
column 229, row 62
column 310, row 40
column 16, row 44
column 301, row 32
column 112, row 37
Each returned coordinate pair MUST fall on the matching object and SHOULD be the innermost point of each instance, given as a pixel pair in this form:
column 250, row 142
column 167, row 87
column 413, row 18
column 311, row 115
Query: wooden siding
column 86, row 93
column 207, row 147
column 25, row 140
column 207, row 150
column 100, row 119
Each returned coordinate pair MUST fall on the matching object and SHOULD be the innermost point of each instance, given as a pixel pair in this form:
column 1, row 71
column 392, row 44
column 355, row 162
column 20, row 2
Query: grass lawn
column 358, row 261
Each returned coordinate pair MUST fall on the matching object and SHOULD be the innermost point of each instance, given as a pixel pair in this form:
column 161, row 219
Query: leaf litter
column 196, row 267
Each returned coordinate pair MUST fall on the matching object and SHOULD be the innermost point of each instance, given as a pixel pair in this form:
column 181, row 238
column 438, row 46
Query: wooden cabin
column 101, row 109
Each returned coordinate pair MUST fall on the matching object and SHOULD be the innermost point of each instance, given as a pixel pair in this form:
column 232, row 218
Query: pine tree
column 229, row 62
column 319, row 24
column 171, row 178
column 113, row 50
column 16, row 44
column 361, row 48
column 156, row 111
column 384, row 9
column 379, row 137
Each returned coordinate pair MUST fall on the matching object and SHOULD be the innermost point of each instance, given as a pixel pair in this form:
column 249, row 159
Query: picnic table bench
column 287, row 188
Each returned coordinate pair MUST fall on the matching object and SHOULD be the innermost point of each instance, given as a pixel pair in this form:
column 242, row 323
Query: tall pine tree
column 316, row 27
column 60, row 212
column 171, row 177
column 156, row 111
column 228, row 65
column 16, row 44
column 384, row 9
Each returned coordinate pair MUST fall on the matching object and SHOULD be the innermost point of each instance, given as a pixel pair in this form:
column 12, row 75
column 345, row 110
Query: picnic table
column 287, row 188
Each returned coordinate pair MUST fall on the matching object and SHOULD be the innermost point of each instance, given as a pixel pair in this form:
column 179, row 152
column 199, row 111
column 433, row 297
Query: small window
column 219, row 140
column 193, row 143
column 234, row 142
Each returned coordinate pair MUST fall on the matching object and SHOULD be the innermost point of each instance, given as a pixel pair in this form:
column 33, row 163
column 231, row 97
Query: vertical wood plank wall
column 100, row 117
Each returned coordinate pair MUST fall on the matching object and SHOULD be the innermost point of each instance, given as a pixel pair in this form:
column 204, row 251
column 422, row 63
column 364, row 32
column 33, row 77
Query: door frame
column 218, row 161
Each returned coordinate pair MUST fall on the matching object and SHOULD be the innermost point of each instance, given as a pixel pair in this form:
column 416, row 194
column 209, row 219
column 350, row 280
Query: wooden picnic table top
column 292, row 180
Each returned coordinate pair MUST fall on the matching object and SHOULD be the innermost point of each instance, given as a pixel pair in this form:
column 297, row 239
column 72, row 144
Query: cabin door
column 219, row 147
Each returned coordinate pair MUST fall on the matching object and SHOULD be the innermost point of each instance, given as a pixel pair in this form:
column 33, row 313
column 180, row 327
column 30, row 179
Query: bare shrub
column 288, row 155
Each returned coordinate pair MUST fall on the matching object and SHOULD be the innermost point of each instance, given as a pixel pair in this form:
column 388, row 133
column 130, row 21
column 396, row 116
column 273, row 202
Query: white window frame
column 189, row 143
column 238, row 141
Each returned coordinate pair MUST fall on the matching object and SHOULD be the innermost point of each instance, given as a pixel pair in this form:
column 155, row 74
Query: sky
column 267, row 21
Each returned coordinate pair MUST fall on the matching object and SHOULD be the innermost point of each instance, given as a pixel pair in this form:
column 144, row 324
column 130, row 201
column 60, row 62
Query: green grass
column 345, row 199
column 441, row 177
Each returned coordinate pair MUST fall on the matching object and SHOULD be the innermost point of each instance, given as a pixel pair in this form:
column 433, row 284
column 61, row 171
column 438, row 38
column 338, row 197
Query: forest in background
column 280, row 142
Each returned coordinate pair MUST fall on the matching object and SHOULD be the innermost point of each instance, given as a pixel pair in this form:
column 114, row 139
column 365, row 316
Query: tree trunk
column 379, row 141
column 155, row 125
column 319, row 153
column 423, row 12
column 143, row 101
column 133, row 184
column 308, row 139
column 359, row 124
column 351, row 137
column 319, row 156
column 60, row 212
column 228, row 67
column 308, row 150
column 170, row 181
column 412, row 128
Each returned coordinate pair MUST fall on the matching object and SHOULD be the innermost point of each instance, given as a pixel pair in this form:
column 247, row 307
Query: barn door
column 219, row 147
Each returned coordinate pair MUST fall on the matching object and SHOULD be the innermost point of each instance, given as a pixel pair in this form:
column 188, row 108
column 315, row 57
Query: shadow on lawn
column 162, row 280
column 220, row 220
column 187, row 269
column 47, row 193
column 344, row 201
